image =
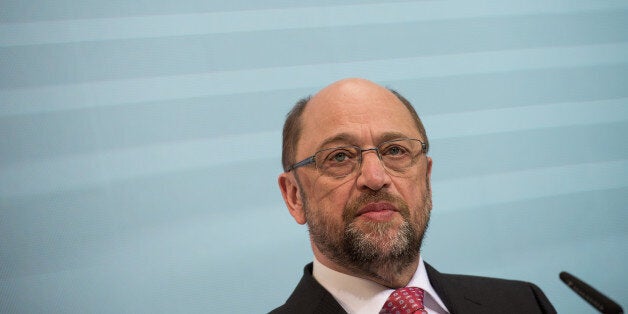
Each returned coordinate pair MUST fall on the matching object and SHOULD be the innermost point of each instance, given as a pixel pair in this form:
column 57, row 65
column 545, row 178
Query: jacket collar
column 452, row 293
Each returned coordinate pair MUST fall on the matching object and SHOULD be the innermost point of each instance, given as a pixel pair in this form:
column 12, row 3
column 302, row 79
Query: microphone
column 599, row 301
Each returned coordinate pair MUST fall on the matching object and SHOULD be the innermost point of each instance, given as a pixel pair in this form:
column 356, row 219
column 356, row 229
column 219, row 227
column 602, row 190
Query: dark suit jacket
column 461, row 294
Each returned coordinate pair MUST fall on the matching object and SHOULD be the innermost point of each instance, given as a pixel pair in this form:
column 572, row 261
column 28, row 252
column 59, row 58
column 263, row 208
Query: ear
column 429, row 168
column 290, row 191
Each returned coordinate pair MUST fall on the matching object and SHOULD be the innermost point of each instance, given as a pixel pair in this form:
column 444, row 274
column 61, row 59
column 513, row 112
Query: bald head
column 344, row 97
column 351, row 88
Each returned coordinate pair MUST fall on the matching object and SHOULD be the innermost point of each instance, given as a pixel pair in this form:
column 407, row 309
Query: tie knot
column 404, row 300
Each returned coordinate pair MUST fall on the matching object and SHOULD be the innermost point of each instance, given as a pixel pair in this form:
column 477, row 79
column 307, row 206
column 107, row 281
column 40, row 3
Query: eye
column 395, row 150
column 338, row 156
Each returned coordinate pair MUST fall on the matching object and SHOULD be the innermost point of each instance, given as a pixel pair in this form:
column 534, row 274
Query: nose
column 372, row 175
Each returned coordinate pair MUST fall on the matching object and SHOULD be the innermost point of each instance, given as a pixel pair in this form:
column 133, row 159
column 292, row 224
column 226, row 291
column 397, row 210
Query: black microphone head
column 599, row 301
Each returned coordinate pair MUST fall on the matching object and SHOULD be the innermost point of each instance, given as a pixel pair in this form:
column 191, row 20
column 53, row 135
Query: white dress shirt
column 362, row 296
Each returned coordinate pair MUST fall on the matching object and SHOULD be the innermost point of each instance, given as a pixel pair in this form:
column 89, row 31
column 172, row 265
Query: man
column 357, row 173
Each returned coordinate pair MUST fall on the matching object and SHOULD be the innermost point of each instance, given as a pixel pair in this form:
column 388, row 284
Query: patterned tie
column 404, row 300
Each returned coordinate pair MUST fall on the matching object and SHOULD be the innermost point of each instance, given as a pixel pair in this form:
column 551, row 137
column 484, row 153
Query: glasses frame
column 312, row 159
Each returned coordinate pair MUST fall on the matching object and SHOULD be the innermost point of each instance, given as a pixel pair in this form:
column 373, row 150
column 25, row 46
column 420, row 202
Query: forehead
column 360, row 110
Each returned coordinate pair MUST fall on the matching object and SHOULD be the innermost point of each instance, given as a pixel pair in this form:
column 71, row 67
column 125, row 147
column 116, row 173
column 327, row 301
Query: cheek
column 331, row 195
column 412, row 191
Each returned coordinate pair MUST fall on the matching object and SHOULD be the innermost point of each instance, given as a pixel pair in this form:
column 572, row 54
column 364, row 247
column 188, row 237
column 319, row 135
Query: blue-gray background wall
column 140, row 143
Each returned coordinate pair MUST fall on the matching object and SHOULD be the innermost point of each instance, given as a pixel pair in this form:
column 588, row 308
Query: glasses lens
column 399, row 155
column 337, row 161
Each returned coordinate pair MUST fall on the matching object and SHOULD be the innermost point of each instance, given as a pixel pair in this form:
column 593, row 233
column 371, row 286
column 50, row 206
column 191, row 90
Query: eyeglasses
column 397, row 157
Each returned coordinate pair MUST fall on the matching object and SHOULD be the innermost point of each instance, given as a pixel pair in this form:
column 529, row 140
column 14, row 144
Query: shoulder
column 473, row 283
column 489, row 294
column 309, row 297
column 480, row 281
column 495, row 286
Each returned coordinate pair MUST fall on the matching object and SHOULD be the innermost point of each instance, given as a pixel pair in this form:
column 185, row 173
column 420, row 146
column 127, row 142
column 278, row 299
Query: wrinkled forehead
column 355, row 107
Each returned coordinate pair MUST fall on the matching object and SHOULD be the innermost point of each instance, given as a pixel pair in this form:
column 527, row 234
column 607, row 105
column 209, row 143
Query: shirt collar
column 362, row 296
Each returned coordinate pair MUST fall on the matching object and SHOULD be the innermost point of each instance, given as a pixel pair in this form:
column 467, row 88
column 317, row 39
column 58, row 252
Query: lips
column 381, row 207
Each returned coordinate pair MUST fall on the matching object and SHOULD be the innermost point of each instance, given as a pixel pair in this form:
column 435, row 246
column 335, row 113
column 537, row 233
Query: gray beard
column 377, row 251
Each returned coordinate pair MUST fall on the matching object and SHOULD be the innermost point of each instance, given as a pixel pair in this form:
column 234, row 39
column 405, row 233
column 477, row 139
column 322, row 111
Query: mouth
column 377, row 211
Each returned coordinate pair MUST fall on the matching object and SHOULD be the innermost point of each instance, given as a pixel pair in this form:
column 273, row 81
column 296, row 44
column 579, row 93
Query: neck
column 391, row 274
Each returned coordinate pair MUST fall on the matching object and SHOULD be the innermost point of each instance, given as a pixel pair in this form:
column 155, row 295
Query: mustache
column 354, row 206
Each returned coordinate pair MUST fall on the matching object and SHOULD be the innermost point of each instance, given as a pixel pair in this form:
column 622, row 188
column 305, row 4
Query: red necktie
column 404, row 300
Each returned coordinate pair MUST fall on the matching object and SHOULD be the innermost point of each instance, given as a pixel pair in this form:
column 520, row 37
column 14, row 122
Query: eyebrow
column 389, row 136
column 341, row 138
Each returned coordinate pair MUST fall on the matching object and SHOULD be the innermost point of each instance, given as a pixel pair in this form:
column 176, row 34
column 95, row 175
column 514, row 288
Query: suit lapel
column 310, row 297
column 455, row 299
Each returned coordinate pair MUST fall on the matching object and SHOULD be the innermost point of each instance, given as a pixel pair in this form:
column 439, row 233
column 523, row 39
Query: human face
column 370, row 217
